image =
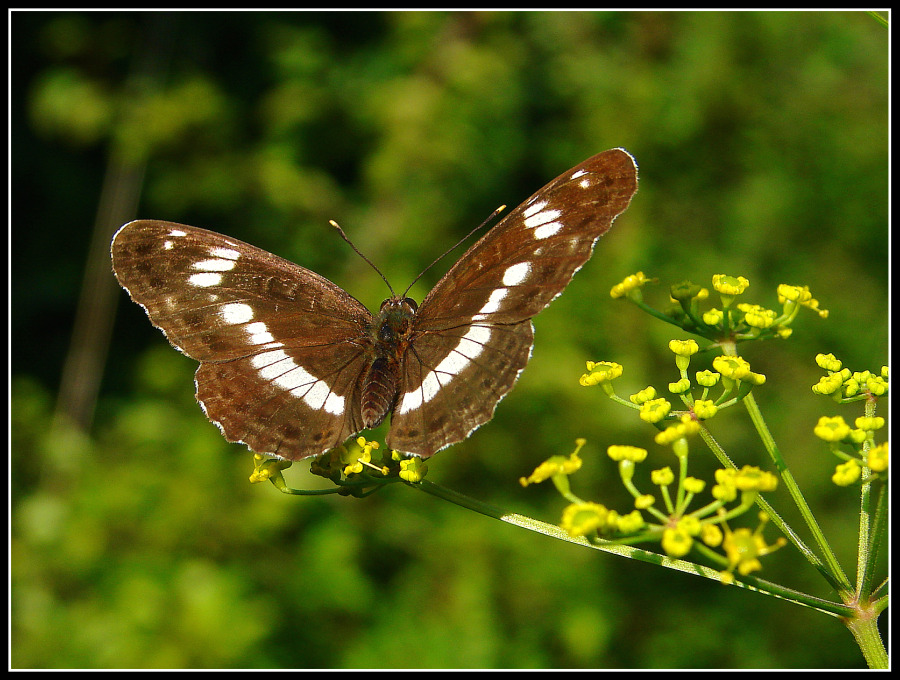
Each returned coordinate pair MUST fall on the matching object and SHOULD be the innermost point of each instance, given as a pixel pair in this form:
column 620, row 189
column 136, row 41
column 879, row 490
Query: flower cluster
column 360, row 467
column 861, row 457
column 731, row 373
column 693, row 399
column 843, row 385
column 865, row 455
column 736, row 321
column 666, row 516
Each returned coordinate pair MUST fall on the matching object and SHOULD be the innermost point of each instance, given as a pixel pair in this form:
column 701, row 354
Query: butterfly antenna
column 454, row 247
column 370, row 263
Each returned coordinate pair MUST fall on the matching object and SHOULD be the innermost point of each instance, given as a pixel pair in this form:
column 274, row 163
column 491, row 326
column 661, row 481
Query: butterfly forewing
column 519, row 266
column 473, row 334
column 281, row 347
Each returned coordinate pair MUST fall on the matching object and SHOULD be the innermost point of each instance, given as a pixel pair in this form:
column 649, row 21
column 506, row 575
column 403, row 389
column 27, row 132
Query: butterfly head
column 394, row 321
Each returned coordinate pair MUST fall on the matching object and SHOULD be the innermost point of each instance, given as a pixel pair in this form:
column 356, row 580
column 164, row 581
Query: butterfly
column 291, row 365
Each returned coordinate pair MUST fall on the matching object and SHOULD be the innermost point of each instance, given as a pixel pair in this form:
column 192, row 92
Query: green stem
column 553, row 531
column 830, row 560
column 865, row 631
column 879, row 532
column 836, row 573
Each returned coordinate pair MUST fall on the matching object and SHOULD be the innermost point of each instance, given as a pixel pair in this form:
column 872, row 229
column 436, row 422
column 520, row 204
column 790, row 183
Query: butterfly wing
column 473, row 334
column 281, row 349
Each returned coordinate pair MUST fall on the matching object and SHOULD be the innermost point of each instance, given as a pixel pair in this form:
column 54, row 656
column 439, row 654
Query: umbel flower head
column 735, row 321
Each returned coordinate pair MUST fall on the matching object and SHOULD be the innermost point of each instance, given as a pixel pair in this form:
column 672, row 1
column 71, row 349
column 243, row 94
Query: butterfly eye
column 412, row 304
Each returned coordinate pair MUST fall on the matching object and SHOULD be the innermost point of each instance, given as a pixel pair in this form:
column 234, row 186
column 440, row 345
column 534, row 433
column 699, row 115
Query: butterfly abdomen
column 379, row 391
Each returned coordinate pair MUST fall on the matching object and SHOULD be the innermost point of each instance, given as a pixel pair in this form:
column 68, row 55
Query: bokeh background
column 137, row 541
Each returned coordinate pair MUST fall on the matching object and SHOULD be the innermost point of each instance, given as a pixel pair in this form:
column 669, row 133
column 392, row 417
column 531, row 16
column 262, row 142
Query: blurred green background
column 136, row 539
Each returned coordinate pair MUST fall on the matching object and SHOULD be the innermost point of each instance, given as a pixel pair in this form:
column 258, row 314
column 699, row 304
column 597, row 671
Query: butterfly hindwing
column 272, row 403
column 281, row 348
column 443, row 400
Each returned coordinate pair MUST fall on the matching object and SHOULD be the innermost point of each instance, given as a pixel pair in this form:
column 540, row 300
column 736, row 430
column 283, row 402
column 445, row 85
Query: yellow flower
column 751, row 477
column 869, row 422
column 630, row 523
column 580, row 519
column 725, row 490
column 707, row 378
column 705, row 408
column 851, row 387
column 748, row 478
column 654, row 410
column 713, row 317
column 831, row 429
column 677, row 542
column 355, row 460
column 755, row 379
column 644, row 501
column 876, row 385
column 686, row 427
column 643, row 396
column 684, row 348
column 829, row 362
column 847, row 473
column 741, row 548
column 694, row 485
column 266, row 468
column 711, row 535
column 680, row 387
column 877, row 458
column 784, row 332
column 792, row 295
column 828, row 384
column 858, row 436
column 600, row 372
column 413, row 469
column 788, row 293
column 690, row 524
column 734, row 368
column 629, row 283
column 756, row 316
column 730, row 285
column 663, row 476
column 555, row 465
column 632, row 453
column 686, row 291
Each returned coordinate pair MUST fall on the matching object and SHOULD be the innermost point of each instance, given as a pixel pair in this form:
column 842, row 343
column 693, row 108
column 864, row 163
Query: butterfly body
column 291, row 365
column 390, row 338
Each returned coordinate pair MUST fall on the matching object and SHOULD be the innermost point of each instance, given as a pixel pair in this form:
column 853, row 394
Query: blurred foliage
column 762, row 139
